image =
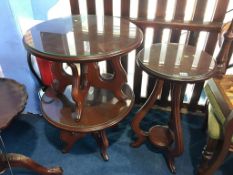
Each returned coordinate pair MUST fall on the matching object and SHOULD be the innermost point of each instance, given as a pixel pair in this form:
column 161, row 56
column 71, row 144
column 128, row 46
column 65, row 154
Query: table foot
column 102, row 141
column 18, row 160
column 105, row 156
column 170, row 163
column 70, row 138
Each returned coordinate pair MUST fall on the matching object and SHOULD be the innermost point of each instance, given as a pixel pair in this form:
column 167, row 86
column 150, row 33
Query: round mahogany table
column 12, row 102
column 178, row 65
column 97, row 101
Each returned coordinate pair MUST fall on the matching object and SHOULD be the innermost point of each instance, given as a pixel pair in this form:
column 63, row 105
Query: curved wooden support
column 102, row 141
column 18, row 160
column 175, row 122
column 113, row 83
column 70, row 139
column 141, row 135
column 60, row 78
column 219, row 156
column 79, row 90
column 207, row 155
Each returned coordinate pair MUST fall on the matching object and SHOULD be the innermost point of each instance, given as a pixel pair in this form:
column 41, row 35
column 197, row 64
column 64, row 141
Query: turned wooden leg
column 207, row 155
column 70, row 139
column 18, row 160
column 221, row 153
column 175, row 126
column 102, row 141
column 141, row 135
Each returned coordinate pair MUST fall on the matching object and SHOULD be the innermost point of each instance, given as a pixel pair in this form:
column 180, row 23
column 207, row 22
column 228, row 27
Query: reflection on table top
column 176, row 62
column 82, row 38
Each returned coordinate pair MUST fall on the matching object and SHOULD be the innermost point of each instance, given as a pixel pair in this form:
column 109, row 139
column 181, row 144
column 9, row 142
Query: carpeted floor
column 34, row 137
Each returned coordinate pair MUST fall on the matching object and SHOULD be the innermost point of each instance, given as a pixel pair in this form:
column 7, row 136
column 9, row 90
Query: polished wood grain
column 13, row 99
column 177, row 65
column 158, row 22
column 81, row 42
column 12, row 102
column 101, row 110
column 181, row 63
column 82, row 38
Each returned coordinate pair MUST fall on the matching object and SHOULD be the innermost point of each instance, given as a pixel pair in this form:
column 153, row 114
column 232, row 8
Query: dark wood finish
column 101, row 110
column 201, row 67
column 175, row 36
column 74, row 6
column 13, row 99
column 153, row 60
column 21, row 161
column 142, row 10
column 91, row 9
column 141, row 135
column 194, row 26
column 179, row 24
column 210, row 46
column 216, row 150
column 12, row 102
column 98, row 101
column 198, row 16
column 125, row 8
column 101, row 103
column 161, row 136
column 54, row 46
column 102, row 141
column 108, row 7
column 138, row 76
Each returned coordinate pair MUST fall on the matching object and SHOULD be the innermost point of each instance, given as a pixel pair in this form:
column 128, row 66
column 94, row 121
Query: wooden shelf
column 101, row 110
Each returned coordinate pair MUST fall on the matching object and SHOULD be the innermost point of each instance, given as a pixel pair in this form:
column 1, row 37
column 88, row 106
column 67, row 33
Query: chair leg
column 217, row 158
column 205, row 123
column 207, row 155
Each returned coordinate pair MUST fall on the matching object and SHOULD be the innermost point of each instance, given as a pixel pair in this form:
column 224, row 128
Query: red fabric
column 45, row 71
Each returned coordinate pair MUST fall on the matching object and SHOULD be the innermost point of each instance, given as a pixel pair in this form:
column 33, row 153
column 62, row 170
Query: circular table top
column 182, row 63
column 82, row 38
column 13, row 98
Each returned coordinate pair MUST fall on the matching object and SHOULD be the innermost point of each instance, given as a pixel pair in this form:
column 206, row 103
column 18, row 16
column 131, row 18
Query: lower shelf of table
column 102, row 110
column 161, row 136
